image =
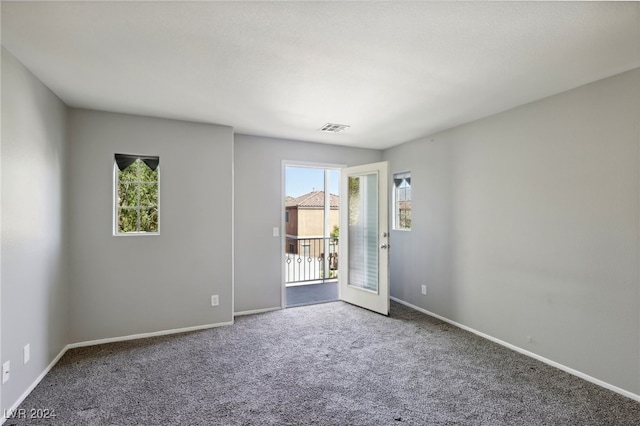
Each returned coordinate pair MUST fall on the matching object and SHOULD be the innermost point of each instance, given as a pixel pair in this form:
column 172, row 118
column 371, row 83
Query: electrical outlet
column 215, row 301
column 276, row 231
column 26, row 353
column 5, row 371
column 424, row 289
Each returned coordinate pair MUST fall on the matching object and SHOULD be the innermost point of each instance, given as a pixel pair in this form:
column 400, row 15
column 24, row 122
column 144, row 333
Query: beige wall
column 291, row 225
column 311, row 222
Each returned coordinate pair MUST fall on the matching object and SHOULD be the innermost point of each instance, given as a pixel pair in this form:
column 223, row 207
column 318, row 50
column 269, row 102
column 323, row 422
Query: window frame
column 396, row 219
column 115, row 231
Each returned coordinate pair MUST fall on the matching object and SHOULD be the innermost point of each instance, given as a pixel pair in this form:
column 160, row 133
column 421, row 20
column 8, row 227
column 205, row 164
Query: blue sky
column 301, row 180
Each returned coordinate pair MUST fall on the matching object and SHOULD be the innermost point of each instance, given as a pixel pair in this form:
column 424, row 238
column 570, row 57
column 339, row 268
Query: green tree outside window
column 137, row 199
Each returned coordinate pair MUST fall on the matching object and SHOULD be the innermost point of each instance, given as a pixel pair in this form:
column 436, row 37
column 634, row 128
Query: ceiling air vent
column 333, row 128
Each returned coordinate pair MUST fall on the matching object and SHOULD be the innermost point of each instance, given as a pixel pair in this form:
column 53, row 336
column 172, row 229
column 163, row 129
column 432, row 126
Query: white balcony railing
column 305, row 259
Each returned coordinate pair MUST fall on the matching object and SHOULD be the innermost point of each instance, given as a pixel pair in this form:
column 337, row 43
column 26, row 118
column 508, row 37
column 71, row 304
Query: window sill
column 135, row 234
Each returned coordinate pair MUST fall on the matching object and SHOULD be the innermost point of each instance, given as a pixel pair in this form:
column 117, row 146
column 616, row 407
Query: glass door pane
column 363, row 232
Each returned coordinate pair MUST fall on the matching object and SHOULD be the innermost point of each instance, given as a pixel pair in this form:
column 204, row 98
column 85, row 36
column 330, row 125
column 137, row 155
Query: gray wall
column 526, row 224
column 138, row 284
column 258, row 209
column 34, row 226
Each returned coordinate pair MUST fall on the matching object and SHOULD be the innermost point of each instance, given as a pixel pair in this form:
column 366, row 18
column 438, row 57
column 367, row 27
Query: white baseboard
column 255, row 311
column 527, row 353
column 35, row 383
column 146, row 335
column 100, row 342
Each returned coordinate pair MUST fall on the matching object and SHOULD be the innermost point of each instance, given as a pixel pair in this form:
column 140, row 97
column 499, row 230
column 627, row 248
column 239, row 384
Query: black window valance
column 125, row 160
column 398, row 178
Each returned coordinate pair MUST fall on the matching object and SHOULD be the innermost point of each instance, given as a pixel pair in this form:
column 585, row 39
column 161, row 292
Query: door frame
column 283, row 226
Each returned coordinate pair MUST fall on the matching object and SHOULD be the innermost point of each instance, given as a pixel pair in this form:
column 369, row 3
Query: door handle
column 384, row 246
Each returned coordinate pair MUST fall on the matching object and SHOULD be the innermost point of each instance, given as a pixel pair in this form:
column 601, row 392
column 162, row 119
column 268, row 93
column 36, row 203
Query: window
column 136, row 192
column 286, row 217
column 402, row 201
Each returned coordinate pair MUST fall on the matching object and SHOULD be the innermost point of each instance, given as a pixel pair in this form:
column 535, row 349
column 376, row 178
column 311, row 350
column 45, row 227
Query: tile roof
column 312, row 199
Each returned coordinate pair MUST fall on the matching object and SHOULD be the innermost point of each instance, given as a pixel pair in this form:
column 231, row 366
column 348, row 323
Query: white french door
column 364, row 237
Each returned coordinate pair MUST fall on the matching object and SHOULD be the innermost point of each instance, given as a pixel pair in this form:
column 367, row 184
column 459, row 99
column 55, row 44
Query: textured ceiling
column 393, row 71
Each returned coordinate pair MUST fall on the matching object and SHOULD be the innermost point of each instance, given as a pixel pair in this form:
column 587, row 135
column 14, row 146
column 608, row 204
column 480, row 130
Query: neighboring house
column 526, row 199
column 304, row 218
column 404, row 214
